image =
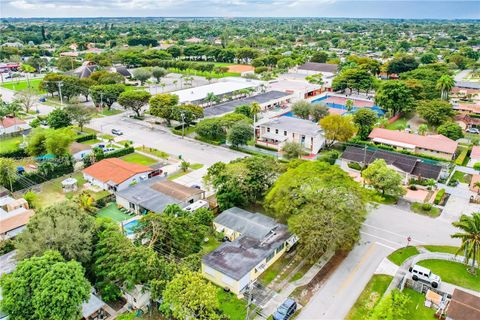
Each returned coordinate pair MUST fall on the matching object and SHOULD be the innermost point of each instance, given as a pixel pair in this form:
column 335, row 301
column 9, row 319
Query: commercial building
column 274, row 133
column 257, row 241
column 433, row 145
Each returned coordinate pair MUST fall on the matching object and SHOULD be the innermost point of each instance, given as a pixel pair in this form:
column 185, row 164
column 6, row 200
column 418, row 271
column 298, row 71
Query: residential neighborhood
column 273, row 164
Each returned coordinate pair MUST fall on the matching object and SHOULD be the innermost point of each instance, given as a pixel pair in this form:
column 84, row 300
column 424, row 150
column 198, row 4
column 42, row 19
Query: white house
column 115, row 174
column 11, row 125
column 274, row 133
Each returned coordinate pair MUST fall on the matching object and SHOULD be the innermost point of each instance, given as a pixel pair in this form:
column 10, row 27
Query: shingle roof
column 115, row 170
column 431, row 142
column 320, row 67
column 175, row 190
column 406, row 163
column 255, row 225
column 463, row 306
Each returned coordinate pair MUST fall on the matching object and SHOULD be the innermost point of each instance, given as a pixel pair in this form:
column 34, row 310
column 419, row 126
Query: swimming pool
column 130, row 226
column 377, row 109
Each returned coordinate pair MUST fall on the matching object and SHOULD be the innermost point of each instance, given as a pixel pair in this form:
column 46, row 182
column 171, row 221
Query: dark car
column 117, row 132
column 285, row 310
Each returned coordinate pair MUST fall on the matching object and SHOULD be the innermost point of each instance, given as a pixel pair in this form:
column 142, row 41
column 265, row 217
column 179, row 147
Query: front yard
column 139, row 159
column 454, row 273
column 402, row 254
column 10, row 144
column 415, row 308
column 461, row 177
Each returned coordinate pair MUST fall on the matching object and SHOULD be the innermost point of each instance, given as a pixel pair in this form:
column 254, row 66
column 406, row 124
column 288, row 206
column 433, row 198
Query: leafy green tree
column 81, row 115
column 211, row 129
column 58, row 141
column 184, row 165
column 240, row 133
column 187, row 113
column 242, row 181
column 391, row 307
column 63, row 227
column 401, row 64
column 50, row 82
column 26, row 99
column 445, row 85
column 383, row 178
column 435, row 112
column 318, row 111
column 365, row 120
column 142, row 75
column 36, row 142
column 315, row 78
column 329, row 156
column 422, row 129
column 158, row 73
column 45, row 288
column 84, row 87
column 337, row 128
column 67, row 63
column 302, row 109
column 395, row 96
column 451, row 130
column 470, row 237
column 8, row 173
column 161, row 105
column 103, row 77
column 428, row 58
column 324, row 207
column 134, row 100
column 245, row 110
column 320, row 56
column 59, row 118
column 189, row 295
column 71, row 87
column 106, row 95
column 293, row 150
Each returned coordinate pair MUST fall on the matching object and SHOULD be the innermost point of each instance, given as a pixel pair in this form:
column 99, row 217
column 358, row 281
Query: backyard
column 111, row 211
column 454, row 273
column 230, row 305
column 10, row 144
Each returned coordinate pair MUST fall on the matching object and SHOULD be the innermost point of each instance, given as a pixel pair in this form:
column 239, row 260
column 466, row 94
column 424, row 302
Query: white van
column 424, row 274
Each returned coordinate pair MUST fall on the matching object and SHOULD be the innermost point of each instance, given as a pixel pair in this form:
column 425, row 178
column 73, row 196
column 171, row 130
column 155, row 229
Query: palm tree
column 211, row 98
column 184, row 165
column 349, row 104
column 422, row 129
column 254, row 110
column 445, row 85
column 13, row 108
column 470, row 237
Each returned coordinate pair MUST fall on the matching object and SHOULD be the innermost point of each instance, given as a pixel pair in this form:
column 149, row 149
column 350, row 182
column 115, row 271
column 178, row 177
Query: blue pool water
column 129, row 227
column 377, row 109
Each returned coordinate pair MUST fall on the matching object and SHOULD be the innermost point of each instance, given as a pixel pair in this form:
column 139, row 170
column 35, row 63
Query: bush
column 439, row 196
column 31, row 198
column 6, row 246
column 355, row 166
column 426, row 207
column 86, row 137
column 116, row 153
column 19, row 153
column 461, row 157
column 330, row 157
column 265, row 147
column 476, row 166
column 412, row 187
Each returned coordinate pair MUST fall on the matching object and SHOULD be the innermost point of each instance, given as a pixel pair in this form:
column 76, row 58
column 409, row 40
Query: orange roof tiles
column 431, row 142
column 15, row 221
column 8, row 122
column 115, row 170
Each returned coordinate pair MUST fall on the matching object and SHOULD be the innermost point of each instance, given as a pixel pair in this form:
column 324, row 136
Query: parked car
column 425, row 275
column 473, row 130
column 285, row 310
column 117, row 132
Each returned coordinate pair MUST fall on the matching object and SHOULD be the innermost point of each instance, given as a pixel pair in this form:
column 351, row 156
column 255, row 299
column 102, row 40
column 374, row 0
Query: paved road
column 160, row 138
column 9, row 95
column 385, row 230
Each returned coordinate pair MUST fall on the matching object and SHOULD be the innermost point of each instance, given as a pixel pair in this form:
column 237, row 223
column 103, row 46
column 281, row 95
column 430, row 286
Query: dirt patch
column 239, row 68
column 117, row 304
column 304, row 293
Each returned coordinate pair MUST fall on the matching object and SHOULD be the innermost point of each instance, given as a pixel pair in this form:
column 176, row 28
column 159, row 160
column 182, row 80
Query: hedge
column 19, row 153
column 355, row 165
column 217, row 143
column 461, row 157
column 439, row 196
column 117, row 153
column 58, row 171
column 265, row 147
column 86, row 137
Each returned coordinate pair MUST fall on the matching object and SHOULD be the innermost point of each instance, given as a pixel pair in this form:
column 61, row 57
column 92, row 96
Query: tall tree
column 435, row 112
column 81, row 115
column 45, row 288
column 161, row 105
column 383, row 178
column 365, row 120
column 470, row 237
column 158, row 73
column 240, row 133
column 134, row 100
column 26, row 99
column 59, row 118
column 451, row 130
column 445, row 85
column 302, row 109
column 293, row 150
column 337, row 128
column 395, row 96
column 8, row 173
column 142, row 75
column 106, row 95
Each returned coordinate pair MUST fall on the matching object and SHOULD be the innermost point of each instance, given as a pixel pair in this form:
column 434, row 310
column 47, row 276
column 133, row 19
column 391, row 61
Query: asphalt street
column 385, row 230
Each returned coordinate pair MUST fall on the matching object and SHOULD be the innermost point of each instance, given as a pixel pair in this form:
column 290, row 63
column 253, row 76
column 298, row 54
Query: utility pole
column 101, row 100
column 183, row 123
column 60, row 85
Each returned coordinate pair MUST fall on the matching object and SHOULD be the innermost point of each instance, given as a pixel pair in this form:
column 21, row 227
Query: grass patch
column 112, row 212
column 231, row 306
column 444, row 249
column 10, row 144
column 211, row 244
column 110, row 112
column 419, row 208
column 91, row 141
column 204, row 73
column 301, row 272
column 369, row 297
column 461, row 177
column 177, row 175
column 383, row 198
column 196, row 166
column 187, row 131
column 400, row 124
column 453, row 272
column 268, row 275
column 152, row 151
column 415, row 308
column 139, row 159
column 23, row 85
column 402, row 254
column 107, row 136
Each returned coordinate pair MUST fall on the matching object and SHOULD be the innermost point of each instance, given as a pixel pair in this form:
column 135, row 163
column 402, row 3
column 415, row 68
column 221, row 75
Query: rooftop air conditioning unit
column 197, row 205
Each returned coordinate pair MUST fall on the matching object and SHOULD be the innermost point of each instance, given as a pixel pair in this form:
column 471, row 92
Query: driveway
column 385, row 230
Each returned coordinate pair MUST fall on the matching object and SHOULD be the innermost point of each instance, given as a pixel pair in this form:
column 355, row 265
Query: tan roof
column 8, row 122
column 475, row 154
column 15, row 221
column 175, row 190
column 115, row 170
column 463, row 306
column 431, row 142
column 471, row 107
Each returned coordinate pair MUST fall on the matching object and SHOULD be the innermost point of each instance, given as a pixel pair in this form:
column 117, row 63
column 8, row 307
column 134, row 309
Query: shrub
column 426, row 207
column 461, row 157
column 265, row 147
column 19, row 153
column 31, row 198
column 330, row 157
column 6, row 246
column 86, row 137
column 413, row 187
column 476, row 166
column 355, row 166
column 439, row 196
column 115, row 154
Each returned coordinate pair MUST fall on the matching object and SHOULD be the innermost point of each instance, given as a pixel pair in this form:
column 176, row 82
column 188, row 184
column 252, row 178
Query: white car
column 425, row 275
column 473, row 130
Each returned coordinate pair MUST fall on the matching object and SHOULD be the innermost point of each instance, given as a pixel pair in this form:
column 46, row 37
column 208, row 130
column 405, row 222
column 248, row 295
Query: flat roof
column 467, row 84
column 292, row 124
column 218, row 88
column 293, row 85
column 255, row 225
column 230, row 106
column 319, row 67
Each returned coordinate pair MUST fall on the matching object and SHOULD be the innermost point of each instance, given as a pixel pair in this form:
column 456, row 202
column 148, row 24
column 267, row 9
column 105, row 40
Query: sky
column 448, row 9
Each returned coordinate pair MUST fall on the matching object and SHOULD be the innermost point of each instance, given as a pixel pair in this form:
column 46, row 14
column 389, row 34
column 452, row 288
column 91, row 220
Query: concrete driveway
column 385, row 230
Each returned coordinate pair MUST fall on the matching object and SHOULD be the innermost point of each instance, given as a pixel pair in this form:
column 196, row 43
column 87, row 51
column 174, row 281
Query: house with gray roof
column 274, row 133
column 256, row 242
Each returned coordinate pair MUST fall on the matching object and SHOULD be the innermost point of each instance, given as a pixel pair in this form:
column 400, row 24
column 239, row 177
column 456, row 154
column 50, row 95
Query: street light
column 183, row 123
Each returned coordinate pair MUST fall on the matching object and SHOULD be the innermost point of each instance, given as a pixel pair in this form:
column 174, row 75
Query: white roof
column 218, row 88
column 394, row 143
column 293, row 85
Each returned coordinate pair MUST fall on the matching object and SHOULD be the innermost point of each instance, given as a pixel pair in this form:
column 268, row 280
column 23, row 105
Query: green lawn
column 369, row 297
column 402, row 254
column 231, row 306
column 23, row 84
column 110, row 112
column 383, row 198
column 204, row 73
column 211, row 244
column 301, row 272
column 10, row 144
column 417, row 207
column 196, row 166
column 177, row 175
column 139, row 159
column 453, row 272
column 91, row 141
column 415, row 308
column 461, row 177
column 111, row 211
column 400, row 124
column 153, row 152
column 107, row 137
column 445, row 249
column 268, row 275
